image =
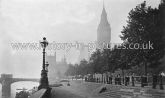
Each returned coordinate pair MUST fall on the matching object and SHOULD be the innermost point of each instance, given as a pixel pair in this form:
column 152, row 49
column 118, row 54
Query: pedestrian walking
column 155, row 80
column 133, row 81
column 119, row 80
column 110, row 80
column 161, row 82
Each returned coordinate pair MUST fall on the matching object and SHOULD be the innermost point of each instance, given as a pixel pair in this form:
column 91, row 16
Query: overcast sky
column 58, row 20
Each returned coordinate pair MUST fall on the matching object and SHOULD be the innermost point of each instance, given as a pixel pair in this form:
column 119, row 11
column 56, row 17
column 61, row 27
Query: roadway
column 81, row 89
column 59, row 92
column 75, row 90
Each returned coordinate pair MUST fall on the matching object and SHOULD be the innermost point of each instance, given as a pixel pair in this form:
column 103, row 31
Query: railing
column 138, row 81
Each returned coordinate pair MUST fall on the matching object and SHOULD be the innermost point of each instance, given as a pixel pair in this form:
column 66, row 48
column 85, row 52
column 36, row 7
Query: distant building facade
column 61, row 67
column 84, row 54
column 51, row 68
column 56, row 70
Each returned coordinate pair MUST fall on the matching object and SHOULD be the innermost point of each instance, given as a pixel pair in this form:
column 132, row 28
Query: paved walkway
column 38, row 94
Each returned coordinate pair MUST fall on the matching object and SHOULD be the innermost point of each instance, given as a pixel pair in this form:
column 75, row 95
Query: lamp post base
column 44, row 80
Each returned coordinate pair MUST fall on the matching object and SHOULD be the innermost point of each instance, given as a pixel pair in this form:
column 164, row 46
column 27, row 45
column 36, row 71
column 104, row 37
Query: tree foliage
column 79, row 69
column 144, row 28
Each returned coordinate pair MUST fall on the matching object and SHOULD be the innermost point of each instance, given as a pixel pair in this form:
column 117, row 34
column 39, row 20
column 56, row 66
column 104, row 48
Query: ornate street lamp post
column 44, row 78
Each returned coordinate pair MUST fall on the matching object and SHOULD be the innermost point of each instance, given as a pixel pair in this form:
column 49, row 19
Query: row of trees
column 79, row 69
column 145, row 26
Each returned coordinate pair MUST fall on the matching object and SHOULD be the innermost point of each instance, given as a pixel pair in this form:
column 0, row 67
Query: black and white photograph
column 82, row 48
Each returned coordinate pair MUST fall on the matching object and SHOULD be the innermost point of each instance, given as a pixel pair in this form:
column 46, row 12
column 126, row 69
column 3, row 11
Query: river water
column 19, row 85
